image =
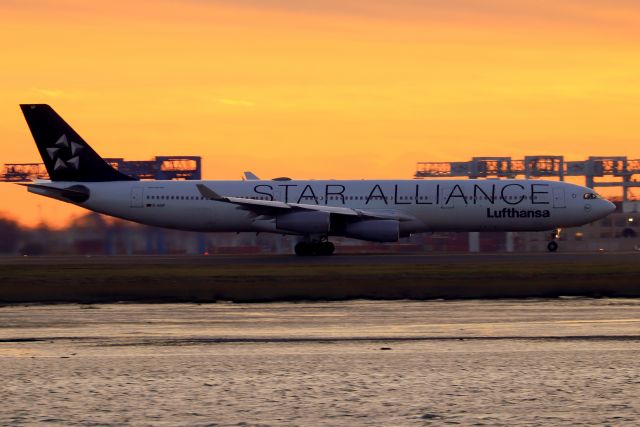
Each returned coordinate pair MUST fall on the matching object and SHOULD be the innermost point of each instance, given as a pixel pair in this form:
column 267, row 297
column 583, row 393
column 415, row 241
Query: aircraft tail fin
column 66, row 155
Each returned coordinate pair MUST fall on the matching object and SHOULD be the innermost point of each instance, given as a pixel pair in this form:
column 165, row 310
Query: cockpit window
column 589, row 196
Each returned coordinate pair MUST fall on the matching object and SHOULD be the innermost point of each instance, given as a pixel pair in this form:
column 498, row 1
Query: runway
column 339, row 259
column 255, row 278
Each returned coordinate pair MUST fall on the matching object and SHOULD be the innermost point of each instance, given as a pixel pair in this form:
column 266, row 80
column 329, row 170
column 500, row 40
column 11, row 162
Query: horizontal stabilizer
column 75, row 193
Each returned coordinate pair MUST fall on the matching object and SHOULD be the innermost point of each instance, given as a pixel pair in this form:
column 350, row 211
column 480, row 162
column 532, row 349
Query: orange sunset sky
column 320, row 88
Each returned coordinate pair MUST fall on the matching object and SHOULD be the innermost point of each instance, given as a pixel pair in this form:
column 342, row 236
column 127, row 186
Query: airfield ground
column 253, row 278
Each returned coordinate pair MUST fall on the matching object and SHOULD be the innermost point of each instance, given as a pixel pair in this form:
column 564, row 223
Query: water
column 529, row 362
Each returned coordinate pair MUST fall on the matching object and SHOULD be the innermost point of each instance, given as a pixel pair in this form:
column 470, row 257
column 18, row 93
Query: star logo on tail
column 65, row 154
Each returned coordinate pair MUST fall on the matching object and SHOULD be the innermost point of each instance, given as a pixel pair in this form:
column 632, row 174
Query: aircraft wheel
column 552, row 246
column 326, row 248
column 303, row 249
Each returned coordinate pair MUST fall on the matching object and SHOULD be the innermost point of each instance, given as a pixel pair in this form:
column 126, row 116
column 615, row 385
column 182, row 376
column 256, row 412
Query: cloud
column 236, row 102
column 58, row 93
column 52, row 93
column 567, row 12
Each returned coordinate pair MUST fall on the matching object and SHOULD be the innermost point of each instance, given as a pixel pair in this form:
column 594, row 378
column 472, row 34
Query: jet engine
column 305, row 222
column 374, row 230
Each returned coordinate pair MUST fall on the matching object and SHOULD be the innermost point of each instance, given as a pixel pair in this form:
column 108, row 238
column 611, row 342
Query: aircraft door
column 558, row 198
column 136, row 197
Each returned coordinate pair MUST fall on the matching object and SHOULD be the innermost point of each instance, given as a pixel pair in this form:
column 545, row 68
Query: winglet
column 209, row 193
column 250, row 176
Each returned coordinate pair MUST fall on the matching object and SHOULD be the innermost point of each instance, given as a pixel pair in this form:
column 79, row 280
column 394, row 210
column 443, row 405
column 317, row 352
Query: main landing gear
column 552, row 246
column 314, row 248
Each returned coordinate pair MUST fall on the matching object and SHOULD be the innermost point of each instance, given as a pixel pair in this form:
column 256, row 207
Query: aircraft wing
column 273, row 206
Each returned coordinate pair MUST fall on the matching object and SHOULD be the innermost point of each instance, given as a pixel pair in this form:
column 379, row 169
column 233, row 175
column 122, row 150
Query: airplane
column 314, row 210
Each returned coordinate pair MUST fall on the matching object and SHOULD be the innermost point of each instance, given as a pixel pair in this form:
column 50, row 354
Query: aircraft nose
column 610, row 207
column 600, row 208
column 604, row 208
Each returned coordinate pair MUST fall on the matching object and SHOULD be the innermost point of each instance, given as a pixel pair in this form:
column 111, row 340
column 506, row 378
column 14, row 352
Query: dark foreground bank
column 279, row 278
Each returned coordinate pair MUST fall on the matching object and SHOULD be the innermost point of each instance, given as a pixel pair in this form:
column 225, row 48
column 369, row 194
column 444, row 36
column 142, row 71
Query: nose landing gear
column 311, row 248
column 552, row 246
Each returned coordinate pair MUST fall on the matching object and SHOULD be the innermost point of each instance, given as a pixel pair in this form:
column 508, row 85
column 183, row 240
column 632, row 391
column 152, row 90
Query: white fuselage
column 434, row 205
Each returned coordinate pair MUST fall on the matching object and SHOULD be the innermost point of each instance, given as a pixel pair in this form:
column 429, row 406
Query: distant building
column 160, row 167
